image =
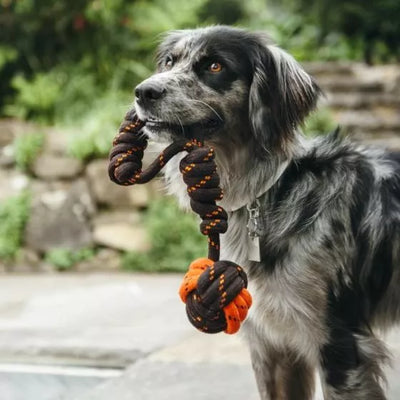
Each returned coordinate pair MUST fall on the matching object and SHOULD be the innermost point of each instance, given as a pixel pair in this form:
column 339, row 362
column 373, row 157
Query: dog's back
column 384, row 281
column 347, row 197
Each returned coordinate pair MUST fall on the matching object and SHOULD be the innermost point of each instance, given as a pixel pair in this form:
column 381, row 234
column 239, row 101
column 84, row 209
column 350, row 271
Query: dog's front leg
column 280, row 374
column 264, row 363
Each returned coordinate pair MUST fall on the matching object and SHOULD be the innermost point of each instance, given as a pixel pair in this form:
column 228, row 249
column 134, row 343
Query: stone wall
column 364, row 100
column 74, row 204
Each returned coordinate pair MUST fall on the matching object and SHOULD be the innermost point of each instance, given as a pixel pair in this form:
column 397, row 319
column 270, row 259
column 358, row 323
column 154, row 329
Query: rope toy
column 215, row 292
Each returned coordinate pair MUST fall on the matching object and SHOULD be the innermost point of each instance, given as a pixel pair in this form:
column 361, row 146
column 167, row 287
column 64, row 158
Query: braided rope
column 214, row 291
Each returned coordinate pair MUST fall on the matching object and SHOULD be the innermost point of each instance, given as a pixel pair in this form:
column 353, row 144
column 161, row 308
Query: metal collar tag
column 254, row 224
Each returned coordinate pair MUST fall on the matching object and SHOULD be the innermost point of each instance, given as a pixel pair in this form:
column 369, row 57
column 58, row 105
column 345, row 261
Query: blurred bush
column 302, row 38
column 14, row 213
column 319, row 122
column 373, row 28
column 65, row 259
column 26, row 148
column 175, row 240
column 98, row 127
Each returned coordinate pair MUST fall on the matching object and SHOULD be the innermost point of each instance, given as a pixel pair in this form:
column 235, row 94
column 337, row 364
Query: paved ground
column 56, row 330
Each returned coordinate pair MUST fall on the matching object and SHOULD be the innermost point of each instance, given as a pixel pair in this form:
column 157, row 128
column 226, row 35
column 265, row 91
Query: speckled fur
column 329, row 273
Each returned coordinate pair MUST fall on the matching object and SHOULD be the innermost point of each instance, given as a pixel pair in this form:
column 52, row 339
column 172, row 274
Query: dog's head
column 223, row 83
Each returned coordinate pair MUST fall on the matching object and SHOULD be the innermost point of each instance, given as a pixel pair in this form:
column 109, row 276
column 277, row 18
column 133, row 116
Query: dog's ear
column 281, row 95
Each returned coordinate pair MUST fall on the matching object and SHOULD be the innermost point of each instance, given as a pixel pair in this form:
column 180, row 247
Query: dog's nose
column 148, row 91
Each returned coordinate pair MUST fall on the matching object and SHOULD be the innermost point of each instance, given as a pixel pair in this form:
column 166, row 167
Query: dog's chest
column 284, row 318
column 287, row 307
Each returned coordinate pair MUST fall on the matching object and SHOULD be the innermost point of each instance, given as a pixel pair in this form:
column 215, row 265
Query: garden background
column 67, row 73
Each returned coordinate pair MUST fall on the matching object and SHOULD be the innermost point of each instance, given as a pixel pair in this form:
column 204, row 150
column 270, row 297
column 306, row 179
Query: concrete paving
column 78, row 323
column 104, row 319
column 23, row 382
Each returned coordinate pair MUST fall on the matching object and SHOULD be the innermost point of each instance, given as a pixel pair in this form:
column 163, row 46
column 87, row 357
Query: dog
column 323, row 258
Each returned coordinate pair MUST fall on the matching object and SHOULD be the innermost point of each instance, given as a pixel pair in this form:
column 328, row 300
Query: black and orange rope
column 214, row 291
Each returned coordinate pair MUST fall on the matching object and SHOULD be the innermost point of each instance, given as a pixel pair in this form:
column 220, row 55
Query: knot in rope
column 199, row 172
column 214, row 291
column 215, row 295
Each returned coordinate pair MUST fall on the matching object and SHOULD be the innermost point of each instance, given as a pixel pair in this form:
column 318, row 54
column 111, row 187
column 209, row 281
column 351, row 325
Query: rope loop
column 127, row 151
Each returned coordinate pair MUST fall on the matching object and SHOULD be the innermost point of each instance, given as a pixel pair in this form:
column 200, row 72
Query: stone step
column 356, row 101
column 320, row 69
column 388, row 140
column 350, row 84
column 52, row 167
column 109, row 194
column 369, row 122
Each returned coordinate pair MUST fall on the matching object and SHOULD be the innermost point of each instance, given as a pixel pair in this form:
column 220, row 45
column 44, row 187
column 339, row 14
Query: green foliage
column 319, row 122
column 63, row 48
column 65, row 259
column 26, row 149
column 226, row 12
column 14, row 213
column 35, row 98
column 298, row 35
column 7, row 54
column 98, row 127
column 175, row 238
column 164, row 16
column 374, row 29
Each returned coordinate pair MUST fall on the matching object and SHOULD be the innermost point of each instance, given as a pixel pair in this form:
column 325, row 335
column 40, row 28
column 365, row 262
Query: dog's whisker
column 180, row 123
column 207, row 105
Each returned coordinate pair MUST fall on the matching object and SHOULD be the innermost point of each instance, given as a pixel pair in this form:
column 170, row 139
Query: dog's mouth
column 196, row 130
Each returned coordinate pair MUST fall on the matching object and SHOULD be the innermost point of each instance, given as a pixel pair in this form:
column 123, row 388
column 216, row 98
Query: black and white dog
column 326, row 274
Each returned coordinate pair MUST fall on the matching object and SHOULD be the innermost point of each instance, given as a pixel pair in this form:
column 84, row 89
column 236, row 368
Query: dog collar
column 255, row 226
column 264, row 189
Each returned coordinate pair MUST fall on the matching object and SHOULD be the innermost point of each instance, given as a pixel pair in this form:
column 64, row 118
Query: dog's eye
column 169, row 62
column 215, row 67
